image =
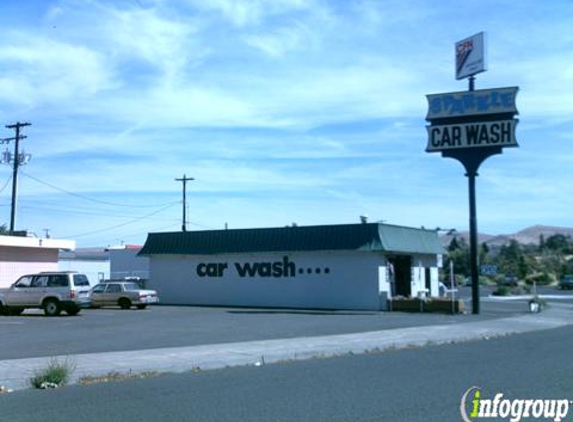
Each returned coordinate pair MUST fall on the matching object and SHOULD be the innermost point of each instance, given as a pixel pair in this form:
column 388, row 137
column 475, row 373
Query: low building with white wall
column 25, row 255
column 125, row 262
column 352, row 266
column 93, row 262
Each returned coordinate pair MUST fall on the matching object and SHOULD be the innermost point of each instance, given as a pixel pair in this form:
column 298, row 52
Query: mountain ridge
column 527, row 236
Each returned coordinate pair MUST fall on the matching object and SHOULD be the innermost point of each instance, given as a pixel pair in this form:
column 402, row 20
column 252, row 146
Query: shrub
column 56, row 374
column 509, row 290
column 540, row 279
column 428, row 305
column 501, row 291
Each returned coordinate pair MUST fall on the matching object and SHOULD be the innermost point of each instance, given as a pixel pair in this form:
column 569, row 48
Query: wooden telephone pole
column 184, row 179
column 16, row 162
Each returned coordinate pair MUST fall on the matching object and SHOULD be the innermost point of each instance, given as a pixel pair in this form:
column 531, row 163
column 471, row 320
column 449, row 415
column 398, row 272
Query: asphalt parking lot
column 108, row 330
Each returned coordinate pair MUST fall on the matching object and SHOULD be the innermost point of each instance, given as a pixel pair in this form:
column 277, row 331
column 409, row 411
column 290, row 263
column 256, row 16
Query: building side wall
column 420, row 265
column 16, row 261
column 316, row 280
column 94, row 270
column 126, row 263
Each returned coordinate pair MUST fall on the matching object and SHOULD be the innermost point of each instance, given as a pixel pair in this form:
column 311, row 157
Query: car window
column 99, row 288
column 58, row 280
column 24, row 281
column 113, row 288
column 39, row 281
column 131, row 287
column 81, row 280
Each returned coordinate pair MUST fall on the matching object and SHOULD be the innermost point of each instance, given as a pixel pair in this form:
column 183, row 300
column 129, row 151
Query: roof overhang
column 34, row 242
column 370, row 237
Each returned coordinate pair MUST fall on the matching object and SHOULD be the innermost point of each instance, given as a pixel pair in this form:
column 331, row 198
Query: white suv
column 50, row 291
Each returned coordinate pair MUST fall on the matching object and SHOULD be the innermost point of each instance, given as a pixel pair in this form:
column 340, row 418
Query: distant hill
column 527, row 236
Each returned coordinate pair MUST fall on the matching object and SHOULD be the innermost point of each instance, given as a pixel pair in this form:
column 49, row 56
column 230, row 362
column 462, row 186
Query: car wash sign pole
column 471, row 126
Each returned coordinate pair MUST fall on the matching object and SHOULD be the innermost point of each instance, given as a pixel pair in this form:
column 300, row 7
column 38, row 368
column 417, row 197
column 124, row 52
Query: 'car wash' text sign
column 472, row 119
column 471, row 135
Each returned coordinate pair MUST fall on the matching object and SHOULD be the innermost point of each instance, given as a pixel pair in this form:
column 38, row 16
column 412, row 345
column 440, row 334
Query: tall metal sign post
column 471, row 126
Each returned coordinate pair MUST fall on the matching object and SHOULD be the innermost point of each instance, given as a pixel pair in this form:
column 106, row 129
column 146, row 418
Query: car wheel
column 141, row 306
column 52, row 307
column 124, row 303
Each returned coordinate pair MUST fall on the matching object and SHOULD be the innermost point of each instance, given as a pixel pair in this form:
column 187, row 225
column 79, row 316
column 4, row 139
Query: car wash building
column 352, row 266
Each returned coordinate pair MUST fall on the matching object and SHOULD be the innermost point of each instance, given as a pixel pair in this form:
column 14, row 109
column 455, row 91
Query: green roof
column 362, row 237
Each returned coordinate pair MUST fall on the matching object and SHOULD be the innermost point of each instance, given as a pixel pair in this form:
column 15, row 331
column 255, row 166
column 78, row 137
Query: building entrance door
column 402, row 274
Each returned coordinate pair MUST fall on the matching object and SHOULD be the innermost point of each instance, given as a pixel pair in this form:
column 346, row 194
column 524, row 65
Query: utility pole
column 16, row 162
column 185, row 179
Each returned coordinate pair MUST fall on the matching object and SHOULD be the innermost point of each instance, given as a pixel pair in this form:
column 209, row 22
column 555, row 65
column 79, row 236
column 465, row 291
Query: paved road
column 422, row 384
column 107, row 330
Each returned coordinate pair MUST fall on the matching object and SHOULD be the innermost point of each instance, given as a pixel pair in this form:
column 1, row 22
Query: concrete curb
column 15, row 373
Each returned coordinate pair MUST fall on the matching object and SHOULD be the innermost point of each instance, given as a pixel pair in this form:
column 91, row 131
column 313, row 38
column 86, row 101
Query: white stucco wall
column 94, row 270
column 320, row 280
column 27, row 255
column 17, row 261
column 420, row 263
column 126, row 263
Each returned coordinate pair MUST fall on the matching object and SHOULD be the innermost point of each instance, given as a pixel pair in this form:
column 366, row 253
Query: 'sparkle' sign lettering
column 472, row 103
column 472, row 119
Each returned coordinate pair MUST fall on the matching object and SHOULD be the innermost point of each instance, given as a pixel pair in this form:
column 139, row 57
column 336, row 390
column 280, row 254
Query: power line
column 147, row 231
column 135, row 220
column 77, row 195
column 6, row 184
column 71, row 210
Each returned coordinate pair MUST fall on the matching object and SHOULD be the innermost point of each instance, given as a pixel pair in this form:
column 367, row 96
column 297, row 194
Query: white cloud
column 282, row 40
column 243, row 13
column 42, row 71
column 130, row 34
column 164, row 43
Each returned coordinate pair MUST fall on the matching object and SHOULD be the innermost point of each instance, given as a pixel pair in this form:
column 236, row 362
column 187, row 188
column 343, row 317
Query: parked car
column 566, row 282
column 124, row 294
column 53, row 292
column 510, row 280
column 137, row 280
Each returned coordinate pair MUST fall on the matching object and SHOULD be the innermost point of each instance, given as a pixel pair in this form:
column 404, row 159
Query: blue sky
column 282, row 110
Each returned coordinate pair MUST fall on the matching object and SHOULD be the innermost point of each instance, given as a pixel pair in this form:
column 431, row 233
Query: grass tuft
column 56, row 374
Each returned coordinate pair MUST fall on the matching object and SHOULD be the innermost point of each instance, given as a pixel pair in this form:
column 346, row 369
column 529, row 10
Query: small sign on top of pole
column 471, row 57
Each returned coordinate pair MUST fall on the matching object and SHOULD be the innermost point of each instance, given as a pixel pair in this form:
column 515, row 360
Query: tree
column 483, row 254
column 558, row 243
column 458, row 253
column 3, row 229
column 541, row 243
column 510, row 258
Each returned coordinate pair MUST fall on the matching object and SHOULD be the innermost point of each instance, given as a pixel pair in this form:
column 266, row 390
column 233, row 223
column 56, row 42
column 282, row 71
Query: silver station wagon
column 124, row 294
